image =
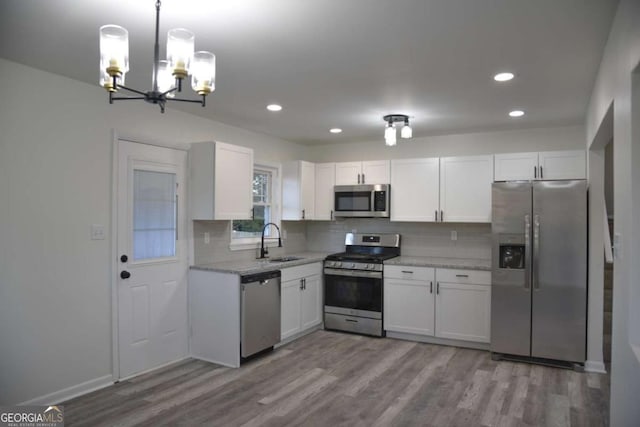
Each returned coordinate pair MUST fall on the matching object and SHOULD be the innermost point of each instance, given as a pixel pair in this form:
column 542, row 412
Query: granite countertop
column 459, row 263
column 258, row 265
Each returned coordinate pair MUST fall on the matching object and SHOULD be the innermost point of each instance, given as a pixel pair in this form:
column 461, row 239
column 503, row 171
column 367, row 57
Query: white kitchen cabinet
column 298, row 190
column 463, row 305
column 369, row 172
column 301, row 302
column 465, row 188
column 409, row 301
column 540, row 166
column 221, row 181
column 562, row 165
column 324, row 181
column 415, row 189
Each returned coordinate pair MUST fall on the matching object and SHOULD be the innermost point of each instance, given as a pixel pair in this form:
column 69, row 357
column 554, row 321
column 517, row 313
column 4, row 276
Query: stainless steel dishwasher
column 260, row 323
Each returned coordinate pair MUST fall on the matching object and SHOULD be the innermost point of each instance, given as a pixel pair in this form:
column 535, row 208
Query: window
column 154, row 215
column 264, row 208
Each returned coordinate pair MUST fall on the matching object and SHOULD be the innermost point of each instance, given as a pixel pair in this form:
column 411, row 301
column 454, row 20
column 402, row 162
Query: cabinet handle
column 430, row 287
column 541, row 173
column 301, row 284
column 437, row 288
column 302, row 213
column 363, row 178
column 462, row 275
column 331, row 215
column 436, row 216
column 535, row 171
column 407, row 271
column 253, row 213
column 441, row 216
column 304, row 284
column 358, row 178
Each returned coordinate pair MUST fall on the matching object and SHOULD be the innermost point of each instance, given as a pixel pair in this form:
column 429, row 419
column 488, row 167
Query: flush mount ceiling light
column 516, row 113
column 335, row 130
column 167, row 75
column 274, row 107
column 390, row 131
column 503, row 77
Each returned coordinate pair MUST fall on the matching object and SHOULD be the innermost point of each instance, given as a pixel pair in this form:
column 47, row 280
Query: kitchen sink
column 285, row 259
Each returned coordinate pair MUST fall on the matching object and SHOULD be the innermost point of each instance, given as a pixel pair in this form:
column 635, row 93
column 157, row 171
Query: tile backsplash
column 417, row 239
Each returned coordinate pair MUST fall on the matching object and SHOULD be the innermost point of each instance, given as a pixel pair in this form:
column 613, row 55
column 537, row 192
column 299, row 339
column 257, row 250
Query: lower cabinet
column 445, row 303
column 301, row 299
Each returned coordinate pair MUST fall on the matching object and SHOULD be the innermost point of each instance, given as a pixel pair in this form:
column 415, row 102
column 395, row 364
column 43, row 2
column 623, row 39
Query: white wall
column 55, row 181
column 512, row 141
column 614, row 85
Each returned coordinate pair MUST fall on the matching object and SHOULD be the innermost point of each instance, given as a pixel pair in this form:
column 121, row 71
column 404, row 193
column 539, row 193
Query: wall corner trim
column 70, row 392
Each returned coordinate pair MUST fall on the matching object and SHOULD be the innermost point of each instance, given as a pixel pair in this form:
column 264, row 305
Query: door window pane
column 154, row 214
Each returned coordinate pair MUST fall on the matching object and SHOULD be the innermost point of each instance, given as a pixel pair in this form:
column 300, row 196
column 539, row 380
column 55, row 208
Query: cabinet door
column 465, row 188
column 562, row 165
column 376, row 172
column 415, row 185
column 290, row 308
column 233, row 164
column 348, row 173
column 325, row 180
column 515, row 166
column 408, row 306
column 311, row 302
column 463, row 312
column 307, row 189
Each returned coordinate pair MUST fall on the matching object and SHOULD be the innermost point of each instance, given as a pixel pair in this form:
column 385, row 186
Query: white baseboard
column 595, row 367
column 70, row 392
column 439, row 341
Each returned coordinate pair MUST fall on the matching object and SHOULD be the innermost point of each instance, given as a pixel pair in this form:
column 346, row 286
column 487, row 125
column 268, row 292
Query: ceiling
column 343, row 63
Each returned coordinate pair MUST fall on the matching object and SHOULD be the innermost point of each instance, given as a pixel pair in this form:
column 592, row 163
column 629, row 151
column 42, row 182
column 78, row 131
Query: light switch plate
column 97, row 232
column 454, row 235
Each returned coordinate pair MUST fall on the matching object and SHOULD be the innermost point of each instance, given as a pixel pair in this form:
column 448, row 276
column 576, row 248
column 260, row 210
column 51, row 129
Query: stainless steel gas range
column 353, row 283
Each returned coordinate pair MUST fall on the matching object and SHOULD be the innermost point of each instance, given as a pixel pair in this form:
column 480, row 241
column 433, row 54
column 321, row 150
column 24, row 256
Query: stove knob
column 338, row 264
column 353, row 265
column 368, row 266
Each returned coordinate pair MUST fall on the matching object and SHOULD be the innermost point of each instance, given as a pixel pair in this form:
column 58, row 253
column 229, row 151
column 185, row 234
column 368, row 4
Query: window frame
column 276, row 211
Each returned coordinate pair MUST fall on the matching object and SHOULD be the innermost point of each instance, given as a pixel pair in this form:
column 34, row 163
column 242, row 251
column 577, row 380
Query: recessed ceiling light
column 335, row 130
column 274, row 107
column 503, row 77
column 516, row 113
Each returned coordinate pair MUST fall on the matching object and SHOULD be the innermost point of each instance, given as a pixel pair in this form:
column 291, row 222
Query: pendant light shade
column 406, row 131
column 203, row 72
column 114, row 52
column 166, row 81
column 180, row 45
column 390, row 135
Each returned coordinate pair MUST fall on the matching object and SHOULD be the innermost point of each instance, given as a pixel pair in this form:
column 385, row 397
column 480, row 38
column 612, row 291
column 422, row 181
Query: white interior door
column 152, row 257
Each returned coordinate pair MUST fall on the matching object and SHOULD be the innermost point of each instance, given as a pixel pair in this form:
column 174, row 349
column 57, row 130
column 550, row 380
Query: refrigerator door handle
column 536, row 251
column 527, row 252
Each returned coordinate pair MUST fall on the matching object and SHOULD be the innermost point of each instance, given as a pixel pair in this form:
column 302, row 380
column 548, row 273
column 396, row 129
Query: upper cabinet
column 298, row 190
column 447, row 189
column 221, row 181
column 371, row 172
column 325, row 180
column 415, row 189
column 465, row 188
column 540, row 166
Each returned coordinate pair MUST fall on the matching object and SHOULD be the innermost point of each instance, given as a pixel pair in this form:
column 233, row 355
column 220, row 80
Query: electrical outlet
column 284, row 233
column 207, row 238
column 454, row 235
column 97, row 232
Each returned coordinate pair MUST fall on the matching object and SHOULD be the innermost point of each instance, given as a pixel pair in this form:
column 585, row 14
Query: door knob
column 124, row 258
column 125, row 274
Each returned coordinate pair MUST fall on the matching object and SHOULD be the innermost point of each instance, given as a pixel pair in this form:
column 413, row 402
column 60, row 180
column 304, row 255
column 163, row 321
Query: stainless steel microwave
column 361, row 201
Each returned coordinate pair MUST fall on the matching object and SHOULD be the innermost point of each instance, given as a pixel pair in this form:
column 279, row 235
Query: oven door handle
column 353, row 273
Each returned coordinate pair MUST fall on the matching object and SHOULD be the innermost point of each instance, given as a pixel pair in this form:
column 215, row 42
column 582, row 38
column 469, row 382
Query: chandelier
column 167, row 74
column 390, row 130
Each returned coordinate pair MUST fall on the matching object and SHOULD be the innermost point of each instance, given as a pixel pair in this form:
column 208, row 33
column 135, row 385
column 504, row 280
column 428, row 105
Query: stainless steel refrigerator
column 539, row 270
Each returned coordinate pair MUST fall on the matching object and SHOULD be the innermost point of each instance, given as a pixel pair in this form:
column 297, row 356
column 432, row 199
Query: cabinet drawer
column 299, row 271
column 409, row 272
column 476, row 277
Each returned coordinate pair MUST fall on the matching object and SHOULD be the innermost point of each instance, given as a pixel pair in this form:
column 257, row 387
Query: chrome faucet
column 264, row 251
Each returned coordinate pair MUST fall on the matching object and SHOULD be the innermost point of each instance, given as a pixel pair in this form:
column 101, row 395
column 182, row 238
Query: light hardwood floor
column 334, row 379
